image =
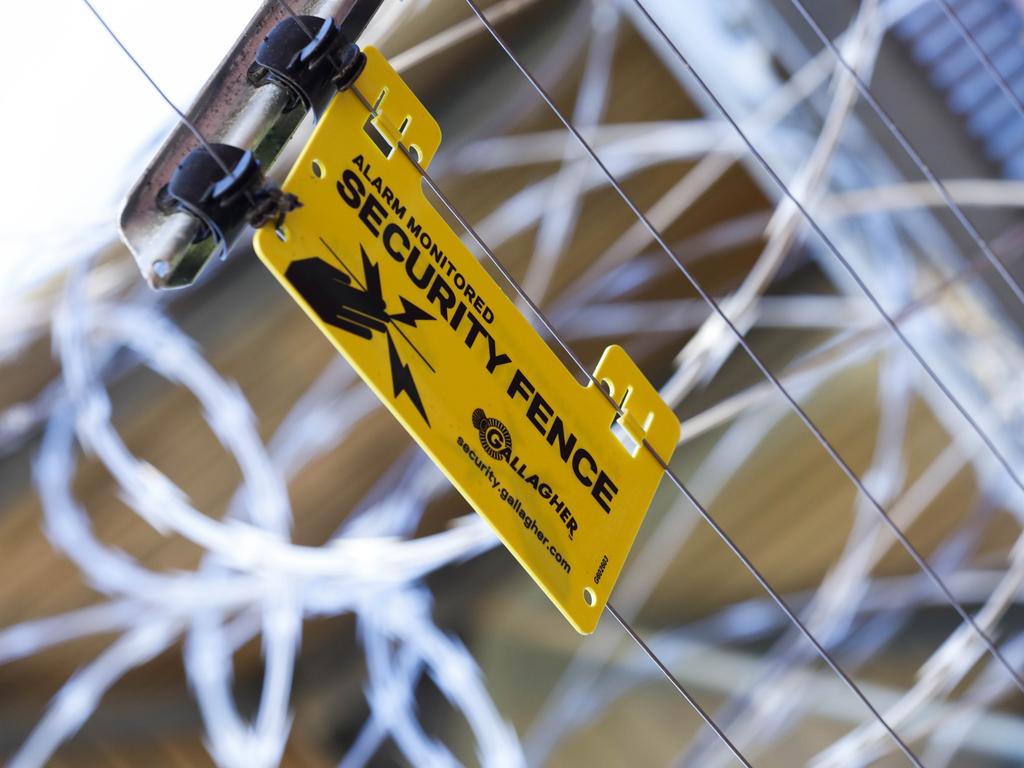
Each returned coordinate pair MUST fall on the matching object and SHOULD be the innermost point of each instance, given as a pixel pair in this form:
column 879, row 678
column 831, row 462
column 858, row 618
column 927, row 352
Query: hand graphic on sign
column 358, row 307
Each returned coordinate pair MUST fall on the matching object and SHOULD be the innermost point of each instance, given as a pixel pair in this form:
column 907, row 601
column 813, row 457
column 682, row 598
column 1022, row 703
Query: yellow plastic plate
column 391, row 285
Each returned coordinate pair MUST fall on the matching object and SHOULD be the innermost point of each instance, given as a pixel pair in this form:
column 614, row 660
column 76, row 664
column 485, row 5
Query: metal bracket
column 166, row 239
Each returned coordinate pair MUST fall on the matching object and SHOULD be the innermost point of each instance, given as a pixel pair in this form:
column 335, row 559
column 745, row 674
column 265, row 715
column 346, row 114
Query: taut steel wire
column 389, row 673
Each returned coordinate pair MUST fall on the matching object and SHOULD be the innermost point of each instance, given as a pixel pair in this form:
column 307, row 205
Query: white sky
column 79, row 122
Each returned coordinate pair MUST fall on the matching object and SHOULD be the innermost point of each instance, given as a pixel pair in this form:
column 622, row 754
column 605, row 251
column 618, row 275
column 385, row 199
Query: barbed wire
column 254, row 582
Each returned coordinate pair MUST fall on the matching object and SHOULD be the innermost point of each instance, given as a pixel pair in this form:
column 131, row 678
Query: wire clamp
column 224, row 203
column 310, row 58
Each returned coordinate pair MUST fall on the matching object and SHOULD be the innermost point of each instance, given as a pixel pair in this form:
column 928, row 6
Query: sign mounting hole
column 589, row 597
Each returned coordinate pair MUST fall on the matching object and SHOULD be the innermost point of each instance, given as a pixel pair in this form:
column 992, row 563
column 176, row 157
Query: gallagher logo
column 497, row 443
column 357, row 306
column 494, row 436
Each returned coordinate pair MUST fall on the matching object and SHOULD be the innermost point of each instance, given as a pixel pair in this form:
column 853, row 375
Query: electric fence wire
column 827, row 242
column 990, row 66
column 982, row 244
column 918, row 558
column 550, row 329
column 490, row 254
column 536, row 310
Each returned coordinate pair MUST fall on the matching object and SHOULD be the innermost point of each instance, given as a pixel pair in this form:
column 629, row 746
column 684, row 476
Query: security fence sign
column 562, row 476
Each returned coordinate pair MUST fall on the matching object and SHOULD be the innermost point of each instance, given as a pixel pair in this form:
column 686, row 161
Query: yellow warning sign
column 391, row 285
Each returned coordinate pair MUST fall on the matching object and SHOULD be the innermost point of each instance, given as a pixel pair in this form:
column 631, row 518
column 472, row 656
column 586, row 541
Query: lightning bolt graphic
column 411, row 313
column 402, row 381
